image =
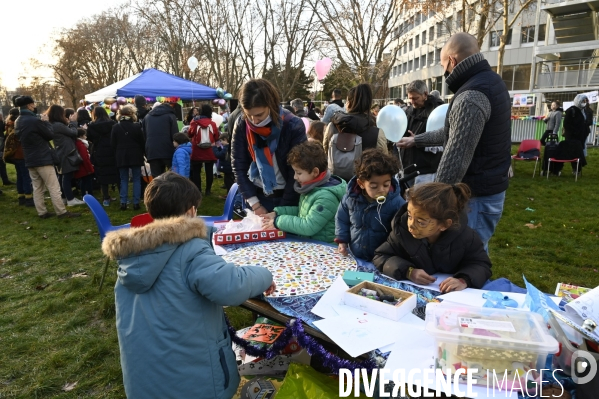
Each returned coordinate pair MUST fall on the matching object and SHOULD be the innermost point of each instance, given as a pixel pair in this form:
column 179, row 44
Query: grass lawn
column 57, row 329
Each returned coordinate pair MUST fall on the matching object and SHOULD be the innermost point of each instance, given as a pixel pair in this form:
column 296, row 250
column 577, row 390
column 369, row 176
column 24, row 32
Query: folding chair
column 525, row 146
column 104, row 225
column 228, row 211
column 577, row 160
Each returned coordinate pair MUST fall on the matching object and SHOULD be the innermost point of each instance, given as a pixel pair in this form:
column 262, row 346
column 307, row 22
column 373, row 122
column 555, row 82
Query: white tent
column 109, row 91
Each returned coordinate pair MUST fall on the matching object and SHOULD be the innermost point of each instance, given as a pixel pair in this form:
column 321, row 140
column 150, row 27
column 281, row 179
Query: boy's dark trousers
column 229, row 180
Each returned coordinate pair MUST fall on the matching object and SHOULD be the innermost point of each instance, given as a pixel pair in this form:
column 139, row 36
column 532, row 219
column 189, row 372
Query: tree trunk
column 504, row 36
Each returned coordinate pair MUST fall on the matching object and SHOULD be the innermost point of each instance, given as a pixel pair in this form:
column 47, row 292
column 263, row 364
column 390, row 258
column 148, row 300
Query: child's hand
column 343, row 249
column 452, row 284
column 268, row 221
column 419, row 276
column 271, row 289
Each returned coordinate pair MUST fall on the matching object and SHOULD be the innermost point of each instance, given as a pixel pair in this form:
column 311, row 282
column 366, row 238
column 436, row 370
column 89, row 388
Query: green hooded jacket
column 315, row 216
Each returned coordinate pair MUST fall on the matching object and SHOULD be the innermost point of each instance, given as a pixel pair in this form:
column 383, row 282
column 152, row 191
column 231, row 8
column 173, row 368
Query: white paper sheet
column 358, row 335
column 434, row 286
column 585, row 307
column 334, row 295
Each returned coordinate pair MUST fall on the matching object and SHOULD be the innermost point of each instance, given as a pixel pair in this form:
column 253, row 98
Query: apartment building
column 556, row 63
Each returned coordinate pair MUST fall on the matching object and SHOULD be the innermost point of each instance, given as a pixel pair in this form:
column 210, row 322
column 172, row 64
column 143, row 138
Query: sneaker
column 75, row 202
column 106, row 202
column 68, row 214
column 47, row 215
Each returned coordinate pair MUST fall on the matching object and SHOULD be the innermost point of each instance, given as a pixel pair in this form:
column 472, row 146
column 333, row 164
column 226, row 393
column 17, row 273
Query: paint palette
column 298, row 268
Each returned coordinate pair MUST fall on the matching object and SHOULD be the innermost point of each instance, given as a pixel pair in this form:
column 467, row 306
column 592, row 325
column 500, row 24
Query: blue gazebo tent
column 153, row 83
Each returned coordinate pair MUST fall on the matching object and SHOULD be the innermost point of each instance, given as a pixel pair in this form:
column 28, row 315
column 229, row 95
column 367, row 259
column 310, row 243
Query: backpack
column 204, row 137
column 11, row 145
column 344, row 149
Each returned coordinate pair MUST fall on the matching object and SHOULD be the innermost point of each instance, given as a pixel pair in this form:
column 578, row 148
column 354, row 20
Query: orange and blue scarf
column 262, row 144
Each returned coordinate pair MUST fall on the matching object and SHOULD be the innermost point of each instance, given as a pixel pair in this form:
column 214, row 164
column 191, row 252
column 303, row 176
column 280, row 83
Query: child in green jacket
column 320, row 194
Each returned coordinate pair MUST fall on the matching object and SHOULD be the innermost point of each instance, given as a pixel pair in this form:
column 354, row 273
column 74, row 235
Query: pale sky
column 28, row 27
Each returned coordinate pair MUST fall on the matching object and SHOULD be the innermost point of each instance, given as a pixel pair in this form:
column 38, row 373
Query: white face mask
column 263, row 123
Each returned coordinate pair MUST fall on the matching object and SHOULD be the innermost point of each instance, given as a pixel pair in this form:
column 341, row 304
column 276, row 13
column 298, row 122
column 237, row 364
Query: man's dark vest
column 488, row 170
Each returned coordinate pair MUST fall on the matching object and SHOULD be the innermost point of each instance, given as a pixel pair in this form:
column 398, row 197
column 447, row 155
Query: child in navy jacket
column 363, row 220
column 224, row 160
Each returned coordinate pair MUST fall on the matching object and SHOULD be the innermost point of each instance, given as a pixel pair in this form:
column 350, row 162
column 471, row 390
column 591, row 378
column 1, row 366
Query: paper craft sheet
column 570, row 292
column 298, row 268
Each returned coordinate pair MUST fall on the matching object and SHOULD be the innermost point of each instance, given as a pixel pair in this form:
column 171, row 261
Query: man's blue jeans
column 484, row 214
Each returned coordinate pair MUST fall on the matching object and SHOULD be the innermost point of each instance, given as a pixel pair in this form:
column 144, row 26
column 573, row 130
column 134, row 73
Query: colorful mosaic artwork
column 298, row 268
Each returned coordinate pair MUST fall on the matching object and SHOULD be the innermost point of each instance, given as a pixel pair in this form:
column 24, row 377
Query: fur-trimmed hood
column 143, row 252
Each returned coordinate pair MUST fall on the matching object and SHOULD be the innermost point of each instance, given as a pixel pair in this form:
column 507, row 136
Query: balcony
column 568, row 74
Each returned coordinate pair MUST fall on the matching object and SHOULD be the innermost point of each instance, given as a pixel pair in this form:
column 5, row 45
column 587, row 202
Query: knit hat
column 23, row 101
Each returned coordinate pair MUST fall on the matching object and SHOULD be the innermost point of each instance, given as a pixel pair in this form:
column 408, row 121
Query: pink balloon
column 121, row 100
column 222, row 102
column 114, row 107
column 216, row 101
column 323, row 67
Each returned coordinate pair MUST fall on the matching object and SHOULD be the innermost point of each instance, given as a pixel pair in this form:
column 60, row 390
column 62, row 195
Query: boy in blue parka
column 363, row 220
column 182, row 155
column 170, row 293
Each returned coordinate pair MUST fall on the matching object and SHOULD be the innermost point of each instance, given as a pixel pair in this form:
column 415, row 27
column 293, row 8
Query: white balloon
column 216, row 118
column 192, row 63
column 436, row 120
column 394, row 122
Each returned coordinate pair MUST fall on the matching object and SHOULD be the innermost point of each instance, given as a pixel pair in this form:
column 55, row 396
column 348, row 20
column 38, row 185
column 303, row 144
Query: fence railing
column 531, row 129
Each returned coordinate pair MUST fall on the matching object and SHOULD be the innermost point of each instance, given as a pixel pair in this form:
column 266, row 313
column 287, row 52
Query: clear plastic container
column 506, row 342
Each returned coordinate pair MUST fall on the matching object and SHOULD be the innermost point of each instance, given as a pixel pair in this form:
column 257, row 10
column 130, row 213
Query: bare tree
column 509, row 19
column 361, row 34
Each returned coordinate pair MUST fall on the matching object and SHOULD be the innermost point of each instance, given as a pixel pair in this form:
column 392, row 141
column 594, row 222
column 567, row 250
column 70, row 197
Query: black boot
column 29, row 202
column 22, row 200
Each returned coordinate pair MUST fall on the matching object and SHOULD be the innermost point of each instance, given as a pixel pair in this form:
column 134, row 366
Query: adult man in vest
column 477, row 133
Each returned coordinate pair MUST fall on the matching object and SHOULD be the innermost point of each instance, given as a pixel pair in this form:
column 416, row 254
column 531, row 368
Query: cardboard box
column 248, row 236
column 352, row 298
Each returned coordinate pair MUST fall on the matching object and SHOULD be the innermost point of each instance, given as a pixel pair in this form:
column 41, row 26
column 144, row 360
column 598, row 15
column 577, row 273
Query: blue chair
column 228, row 211
column 104, row 225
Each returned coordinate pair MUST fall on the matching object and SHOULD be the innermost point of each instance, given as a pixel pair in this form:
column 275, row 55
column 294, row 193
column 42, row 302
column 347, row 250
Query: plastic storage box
column 506, row 342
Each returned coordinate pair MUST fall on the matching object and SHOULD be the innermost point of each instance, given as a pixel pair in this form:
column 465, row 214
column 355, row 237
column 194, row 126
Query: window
column 405, row 49
column 439, row 29
column 431, row 34
column 437, row 56
column 423, row 61
column 430, row 58
column 417, row 19
column 410, row 45
column 521, row 77
column 417, row 41
column 542, row 29
column 449, row 24
column 528, row 34
column 417, row 63
column 405, row 67
column 424, row 37
column 410, row 66
column 496, row 37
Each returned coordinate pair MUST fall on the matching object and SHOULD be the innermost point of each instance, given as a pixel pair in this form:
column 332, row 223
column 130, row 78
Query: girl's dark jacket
column 458, row 251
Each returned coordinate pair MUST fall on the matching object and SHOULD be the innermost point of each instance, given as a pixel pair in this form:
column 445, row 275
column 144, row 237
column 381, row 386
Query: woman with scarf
column 264, row 135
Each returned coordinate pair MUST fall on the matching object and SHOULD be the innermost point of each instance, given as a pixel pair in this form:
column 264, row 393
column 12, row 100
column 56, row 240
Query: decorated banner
column 524, row 100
